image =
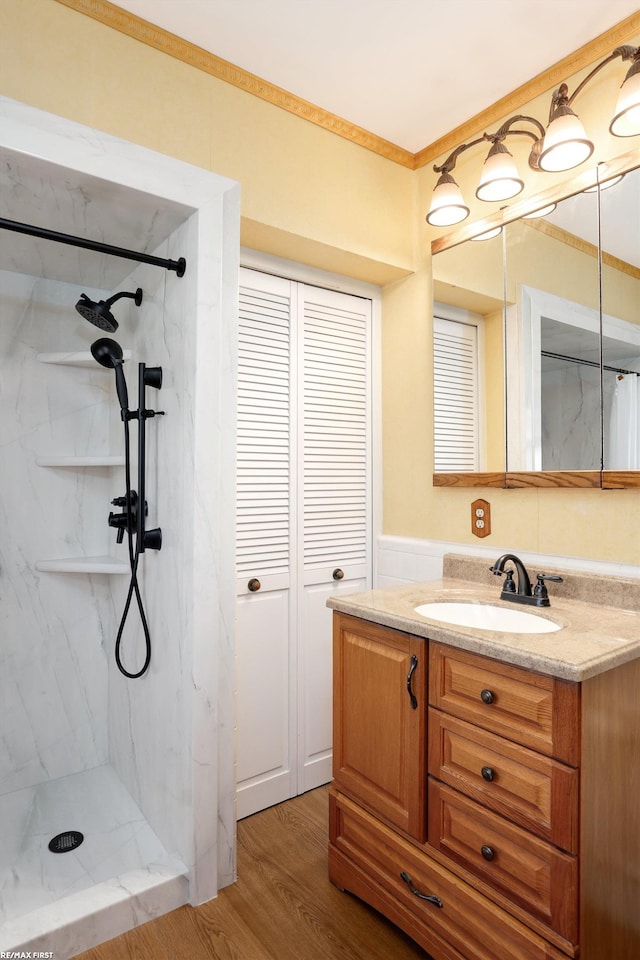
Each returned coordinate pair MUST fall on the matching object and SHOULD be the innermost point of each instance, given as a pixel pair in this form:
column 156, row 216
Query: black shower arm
column 178, row 265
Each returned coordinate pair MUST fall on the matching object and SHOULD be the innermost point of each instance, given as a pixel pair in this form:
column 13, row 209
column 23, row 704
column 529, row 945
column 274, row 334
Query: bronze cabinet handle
column 338, row 574
column 254, row 585
column 412, row 670
column 423, row 896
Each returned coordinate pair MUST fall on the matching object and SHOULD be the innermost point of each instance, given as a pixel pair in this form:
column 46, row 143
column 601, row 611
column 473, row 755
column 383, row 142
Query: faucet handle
column 508, row 586
column 540, row 589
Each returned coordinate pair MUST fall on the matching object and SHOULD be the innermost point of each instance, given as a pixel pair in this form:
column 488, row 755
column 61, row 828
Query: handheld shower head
column 108, row 353
column 99, row 313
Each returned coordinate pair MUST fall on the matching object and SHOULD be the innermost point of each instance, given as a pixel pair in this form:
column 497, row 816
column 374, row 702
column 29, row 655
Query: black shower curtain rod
column 587, row 363
column 178, row 265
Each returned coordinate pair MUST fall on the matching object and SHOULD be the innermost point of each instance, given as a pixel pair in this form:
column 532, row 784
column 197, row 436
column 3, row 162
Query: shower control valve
column 127, row 519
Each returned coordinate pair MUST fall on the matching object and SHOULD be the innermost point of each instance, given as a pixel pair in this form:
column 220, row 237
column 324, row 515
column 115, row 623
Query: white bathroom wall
column 53, row 673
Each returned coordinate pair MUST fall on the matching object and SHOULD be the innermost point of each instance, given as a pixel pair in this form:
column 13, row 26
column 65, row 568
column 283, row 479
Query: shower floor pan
column 119, row 876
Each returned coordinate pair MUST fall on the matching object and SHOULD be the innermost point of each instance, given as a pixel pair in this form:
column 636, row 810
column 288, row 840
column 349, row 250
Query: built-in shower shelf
column 115, row 461
column 109, row 565
column 82, row 358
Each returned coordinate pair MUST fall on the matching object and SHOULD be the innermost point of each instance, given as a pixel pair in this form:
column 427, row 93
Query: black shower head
column 108, row 353
column 99, row 313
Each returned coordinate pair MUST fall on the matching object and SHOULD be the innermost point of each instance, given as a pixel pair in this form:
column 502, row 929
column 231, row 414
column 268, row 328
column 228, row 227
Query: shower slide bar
column 31, row 230
column 588, row 363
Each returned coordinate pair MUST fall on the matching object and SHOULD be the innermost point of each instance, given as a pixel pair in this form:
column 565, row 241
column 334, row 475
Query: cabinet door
column 380, row 684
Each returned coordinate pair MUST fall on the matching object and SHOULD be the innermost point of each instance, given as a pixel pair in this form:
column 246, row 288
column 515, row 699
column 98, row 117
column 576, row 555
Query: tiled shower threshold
column 119, row 876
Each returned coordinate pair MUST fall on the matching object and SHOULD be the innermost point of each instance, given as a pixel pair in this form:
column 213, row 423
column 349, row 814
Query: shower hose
column 134, row 555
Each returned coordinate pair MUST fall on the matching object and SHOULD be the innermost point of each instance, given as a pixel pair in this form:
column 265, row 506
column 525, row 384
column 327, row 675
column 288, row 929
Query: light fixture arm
column 561, row 95
column 497, row 137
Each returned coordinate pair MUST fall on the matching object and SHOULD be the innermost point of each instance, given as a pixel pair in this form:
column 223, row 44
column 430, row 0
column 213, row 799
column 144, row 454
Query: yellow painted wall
column 310, row 196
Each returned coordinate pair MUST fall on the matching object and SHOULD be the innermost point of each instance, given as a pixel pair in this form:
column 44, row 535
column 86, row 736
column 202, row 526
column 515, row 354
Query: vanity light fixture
column 604, row 186
column 542, row 212
column 499, row 180
column 566, row 144
column 489, row 234
column 562, row 146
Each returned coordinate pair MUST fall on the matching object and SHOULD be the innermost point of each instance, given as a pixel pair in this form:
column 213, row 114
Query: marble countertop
column 593, row 637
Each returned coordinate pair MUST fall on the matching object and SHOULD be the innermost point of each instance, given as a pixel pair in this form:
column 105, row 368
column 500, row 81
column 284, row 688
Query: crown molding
column 138, row 29
column 583, row 246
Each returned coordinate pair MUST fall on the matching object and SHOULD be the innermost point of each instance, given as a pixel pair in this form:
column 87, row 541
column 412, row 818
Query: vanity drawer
column 533, row 709
column 529, row 788
column 533, row 874
column 463, row 918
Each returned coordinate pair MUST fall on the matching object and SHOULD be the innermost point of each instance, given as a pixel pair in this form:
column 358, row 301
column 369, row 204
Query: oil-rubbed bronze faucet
column 522, row 593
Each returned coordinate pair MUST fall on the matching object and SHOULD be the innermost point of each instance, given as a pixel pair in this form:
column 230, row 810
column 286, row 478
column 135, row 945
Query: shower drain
column 64, row 842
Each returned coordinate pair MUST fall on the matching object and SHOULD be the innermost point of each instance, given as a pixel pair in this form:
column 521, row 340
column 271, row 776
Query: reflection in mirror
column 553, row 340
column 469, row 358
column 620, row 231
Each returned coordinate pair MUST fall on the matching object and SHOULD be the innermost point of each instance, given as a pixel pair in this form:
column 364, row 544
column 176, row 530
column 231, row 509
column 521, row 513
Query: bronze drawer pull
column 254, row 584
column 487, row 696
column 423, row 896
column 338, row 574
column 487, row 852
column 487, row 774
column 412, row 668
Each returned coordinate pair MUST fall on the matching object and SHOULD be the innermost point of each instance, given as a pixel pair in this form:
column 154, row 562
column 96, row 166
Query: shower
column 108, row 353
column 99, row 313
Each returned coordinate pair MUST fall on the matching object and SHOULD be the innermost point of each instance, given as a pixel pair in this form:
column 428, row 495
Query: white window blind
column 455, row 394
column 263, row 532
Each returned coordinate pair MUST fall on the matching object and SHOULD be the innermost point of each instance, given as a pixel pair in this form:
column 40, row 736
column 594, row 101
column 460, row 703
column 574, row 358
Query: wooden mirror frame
column 598, row 479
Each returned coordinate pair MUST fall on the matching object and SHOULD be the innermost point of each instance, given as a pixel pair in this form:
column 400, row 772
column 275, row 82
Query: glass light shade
column 488, row 234
column 542, row 212
column 499, row 179
column 565, row 143
column 447, row 204
column 604, row 186
column 626, row 120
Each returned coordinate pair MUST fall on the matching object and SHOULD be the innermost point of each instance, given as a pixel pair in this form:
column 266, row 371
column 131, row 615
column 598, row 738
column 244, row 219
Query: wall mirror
column 555, row 298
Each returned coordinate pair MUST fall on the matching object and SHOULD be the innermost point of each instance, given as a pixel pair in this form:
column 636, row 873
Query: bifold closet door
column 265, row 557
column 303, row 522
column 334, row 519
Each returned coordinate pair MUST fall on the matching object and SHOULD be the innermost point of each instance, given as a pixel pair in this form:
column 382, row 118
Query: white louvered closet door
column 334, row 483
column 303, row 521
column 455, row 396
column 265, row 557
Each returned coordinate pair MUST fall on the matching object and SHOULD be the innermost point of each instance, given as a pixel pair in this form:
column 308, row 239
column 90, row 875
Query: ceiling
column 408, row 71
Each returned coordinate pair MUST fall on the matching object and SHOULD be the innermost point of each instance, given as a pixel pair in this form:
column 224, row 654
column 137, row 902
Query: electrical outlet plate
column 480, row 518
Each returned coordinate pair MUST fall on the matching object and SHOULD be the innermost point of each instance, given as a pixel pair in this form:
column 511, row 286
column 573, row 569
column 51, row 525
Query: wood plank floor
column 283, row 906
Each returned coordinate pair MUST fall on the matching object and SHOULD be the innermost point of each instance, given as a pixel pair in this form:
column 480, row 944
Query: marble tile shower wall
column 571, row 418
column 53, row 661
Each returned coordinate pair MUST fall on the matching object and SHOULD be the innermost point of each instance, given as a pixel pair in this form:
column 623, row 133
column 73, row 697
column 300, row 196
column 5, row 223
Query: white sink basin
column 486, row 616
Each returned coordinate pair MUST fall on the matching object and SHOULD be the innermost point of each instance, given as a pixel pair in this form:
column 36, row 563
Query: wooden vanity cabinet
column 530, row 794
